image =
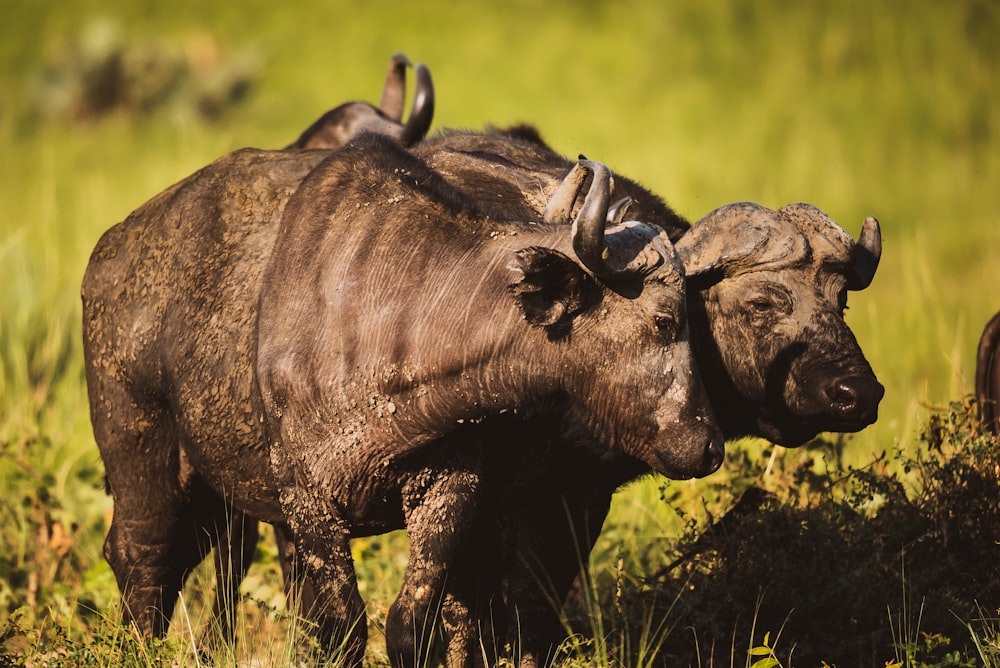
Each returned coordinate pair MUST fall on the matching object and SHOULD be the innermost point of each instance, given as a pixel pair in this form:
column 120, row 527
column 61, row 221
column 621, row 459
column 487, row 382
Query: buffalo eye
column 669, row 325
column 771, row 302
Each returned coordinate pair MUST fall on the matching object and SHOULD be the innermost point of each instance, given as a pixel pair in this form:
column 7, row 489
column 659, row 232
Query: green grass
column 888, row 109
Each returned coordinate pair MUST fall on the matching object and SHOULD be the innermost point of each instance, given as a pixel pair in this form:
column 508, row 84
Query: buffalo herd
column 466, row 335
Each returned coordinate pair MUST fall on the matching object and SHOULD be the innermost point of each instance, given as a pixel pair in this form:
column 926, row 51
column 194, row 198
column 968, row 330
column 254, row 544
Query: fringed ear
column 551, row 290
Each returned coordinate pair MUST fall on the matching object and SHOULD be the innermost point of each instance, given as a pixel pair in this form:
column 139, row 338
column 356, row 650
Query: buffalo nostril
column 855, row 396
column 845, row 396
column 715, row 452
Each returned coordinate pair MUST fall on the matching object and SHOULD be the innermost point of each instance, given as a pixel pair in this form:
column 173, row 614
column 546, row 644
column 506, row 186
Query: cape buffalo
column 169, row 312
column 988, row 375
column 584, row 484
column 206, row 238
column 769, row 289
column 397, row 324
column 767, row 293
column 339, row 125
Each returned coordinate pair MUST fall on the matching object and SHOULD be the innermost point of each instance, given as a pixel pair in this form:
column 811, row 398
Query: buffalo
column 767, row 294
column 397, row 324
column 169, row 330
column 762, row 361
column 768, row 290
column 346, row 121
column 988, row 375
column 207, row 237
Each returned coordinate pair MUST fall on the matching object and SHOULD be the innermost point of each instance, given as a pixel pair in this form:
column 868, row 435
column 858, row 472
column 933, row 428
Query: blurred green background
column 861, row 108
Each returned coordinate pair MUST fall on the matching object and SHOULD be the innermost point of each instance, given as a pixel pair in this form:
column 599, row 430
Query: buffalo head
column 770, row 287
column 636, row 328
column 341, row 124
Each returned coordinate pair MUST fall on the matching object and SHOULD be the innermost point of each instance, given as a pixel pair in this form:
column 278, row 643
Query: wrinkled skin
column 988, row 375
column 399, row 328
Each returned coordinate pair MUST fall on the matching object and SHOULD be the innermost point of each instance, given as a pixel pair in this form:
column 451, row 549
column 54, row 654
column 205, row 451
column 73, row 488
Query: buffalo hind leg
column 233, row 555
column 152, row 543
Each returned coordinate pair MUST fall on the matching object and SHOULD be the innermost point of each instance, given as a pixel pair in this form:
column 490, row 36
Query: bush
column 846, row 568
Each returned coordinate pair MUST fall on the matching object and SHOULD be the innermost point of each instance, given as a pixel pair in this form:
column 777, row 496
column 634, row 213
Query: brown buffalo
column 169, row 313
column 398, row 324
column 767, row 294
column 339, row 125
column 988, row 375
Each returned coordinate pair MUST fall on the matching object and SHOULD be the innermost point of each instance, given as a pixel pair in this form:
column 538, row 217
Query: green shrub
column 855, row 567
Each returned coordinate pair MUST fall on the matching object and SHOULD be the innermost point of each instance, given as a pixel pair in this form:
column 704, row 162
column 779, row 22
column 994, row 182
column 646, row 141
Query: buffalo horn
column 422, row 111
column 588, row 226
column 560, row 206
column 394, row 91
column 618, row 210
column 867, row 252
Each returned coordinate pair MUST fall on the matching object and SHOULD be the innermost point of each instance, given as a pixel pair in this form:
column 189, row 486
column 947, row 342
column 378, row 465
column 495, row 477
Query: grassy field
column 889, row 109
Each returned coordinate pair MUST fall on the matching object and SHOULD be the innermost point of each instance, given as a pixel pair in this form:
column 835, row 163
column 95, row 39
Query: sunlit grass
column 863, row 109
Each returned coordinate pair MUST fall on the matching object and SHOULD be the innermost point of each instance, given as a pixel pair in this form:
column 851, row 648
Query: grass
column 888, row 109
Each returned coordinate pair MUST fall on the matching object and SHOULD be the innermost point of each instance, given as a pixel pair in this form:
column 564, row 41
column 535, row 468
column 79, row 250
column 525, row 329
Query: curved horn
column 394, row 91
column 588, row 226
column 867, row 253
column 560, row 206
column 422, row 111
column 622, row 251
column 618, row 210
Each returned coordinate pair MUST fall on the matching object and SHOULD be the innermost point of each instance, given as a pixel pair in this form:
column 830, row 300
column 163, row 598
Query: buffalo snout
column 701, row 454
column 854, row 399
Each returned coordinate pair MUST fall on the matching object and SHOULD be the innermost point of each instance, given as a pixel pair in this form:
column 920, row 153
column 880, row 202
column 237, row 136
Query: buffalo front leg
column 438, row 503
column 299, row 593
column 554, row 540
column 322, row 541
column 474, row 605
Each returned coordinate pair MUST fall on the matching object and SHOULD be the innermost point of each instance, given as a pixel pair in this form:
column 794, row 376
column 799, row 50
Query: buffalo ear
column 551, row 290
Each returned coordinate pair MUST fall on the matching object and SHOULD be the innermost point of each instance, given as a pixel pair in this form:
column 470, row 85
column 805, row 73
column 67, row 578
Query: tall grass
column 888, row 109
